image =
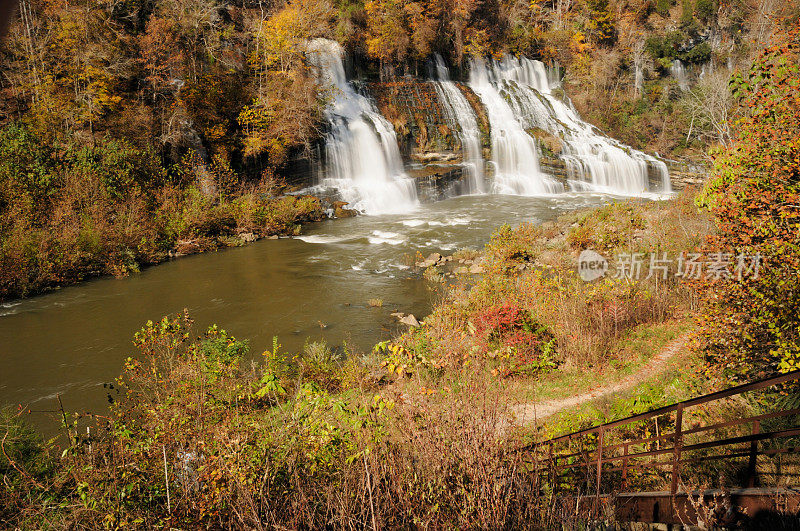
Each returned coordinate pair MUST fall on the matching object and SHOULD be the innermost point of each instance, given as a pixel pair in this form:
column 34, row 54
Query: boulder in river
column 340, row 212
column 410, row 320
column 248, row 237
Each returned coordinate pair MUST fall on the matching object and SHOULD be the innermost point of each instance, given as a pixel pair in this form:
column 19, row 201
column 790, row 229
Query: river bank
column 424, row 410
column 317, row 286
column 68, row 242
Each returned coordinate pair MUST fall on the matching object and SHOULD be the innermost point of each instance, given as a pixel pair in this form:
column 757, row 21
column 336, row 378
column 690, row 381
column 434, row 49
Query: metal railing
column 606, row 457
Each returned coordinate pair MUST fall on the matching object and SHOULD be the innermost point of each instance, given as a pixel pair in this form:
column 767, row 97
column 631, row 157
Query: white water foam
column 363, row 159
column 391, row 238
column 594, row 161
column 459, row 113
column 413, row 222
column 317, row 238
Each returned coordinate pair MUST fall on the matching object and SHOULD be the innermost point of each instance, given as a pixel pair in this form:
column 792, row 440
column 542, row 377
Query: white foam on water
column 378, row 240
column 413, row 222
column 385, row 234
column 320, row 238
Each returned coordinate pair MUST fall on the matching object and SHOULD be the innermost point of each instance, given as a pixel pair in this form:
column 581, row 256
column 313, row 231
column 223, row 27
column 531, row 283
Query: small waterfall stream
column 459, row 113
column 678, row 71
column 594, row 161
column 514, row 152
column 363, row 159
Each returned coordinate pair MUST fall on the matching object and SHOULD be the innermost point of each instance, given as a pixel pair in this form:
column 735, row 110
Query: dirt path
column 528, row 413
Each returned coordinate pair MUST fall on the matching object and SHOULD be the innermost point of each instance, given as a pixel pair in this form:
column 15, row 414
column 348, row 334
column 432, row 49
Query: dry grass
column 533, row 269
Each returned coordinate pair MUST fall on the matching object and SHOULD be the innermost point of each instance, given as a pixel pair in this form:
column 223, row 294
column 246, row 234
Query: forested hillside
column 135, row 129
column 170, row 76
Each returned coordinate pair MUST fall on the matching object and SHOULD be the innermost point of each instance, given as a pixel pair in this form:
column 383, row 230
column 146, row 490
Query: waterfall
column 362, row 157
column 514, row 152
column 522, row 89
column 678, row 71
column 460, row 113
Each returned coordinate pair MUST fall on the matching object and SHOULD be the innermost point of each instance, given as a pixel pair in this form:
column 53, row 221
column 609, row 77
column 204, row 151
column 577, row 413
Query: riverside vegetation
column 73, row 212
column 415, row 433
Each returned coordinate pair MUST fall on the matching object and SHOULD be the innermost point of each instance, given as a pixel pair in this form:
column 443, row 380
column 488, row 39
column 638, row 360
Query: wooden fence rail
column 603, row 463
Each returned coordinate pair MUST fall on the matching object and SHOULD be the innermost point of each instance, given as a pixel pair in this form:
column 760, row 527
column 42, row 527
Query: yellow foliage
column 477, row 43
column 578, row 43
column 280, row 40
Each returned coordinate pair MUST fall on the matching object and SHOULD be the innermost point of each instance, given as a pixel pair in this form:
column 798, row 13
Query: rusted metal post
column 751, row 466
column 551, row 465
column 625, row 467
column 676, row 453
column 600, row 434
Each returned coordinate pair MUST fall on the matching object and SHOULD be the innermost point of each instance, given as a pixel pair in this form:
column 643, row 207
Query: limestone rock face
column 549, row 141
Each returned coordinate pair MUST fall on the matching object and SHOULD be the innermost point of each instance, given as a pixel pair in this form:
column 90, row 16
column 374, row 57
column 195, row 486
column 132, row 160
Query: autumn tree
column 286, row 110
column 709, row 104
column 161, row 54
column 423, row 22
column 387, row 39
column 200, row 27
column 751, row 325
column 457, row 15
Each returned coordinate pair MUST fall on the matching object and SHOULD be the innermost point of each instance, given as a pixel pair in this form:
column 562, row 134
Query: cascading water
column 593, row 160
column 459, row 113
column 363, row 159
column 678, row 71
column 514, row 152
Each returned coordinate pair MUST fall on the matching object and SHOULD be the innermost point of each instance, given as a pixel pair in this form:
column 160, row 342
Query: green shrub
column 22, row 444
column 704, row 9
column 27, row 176
column 698, row 54
column 687, row 13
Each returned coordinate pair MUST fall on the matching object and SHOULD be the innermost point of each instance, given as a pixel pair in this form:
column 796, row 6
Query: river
column 72, row 341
